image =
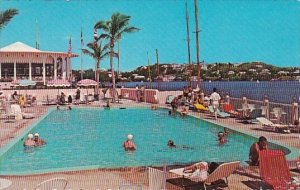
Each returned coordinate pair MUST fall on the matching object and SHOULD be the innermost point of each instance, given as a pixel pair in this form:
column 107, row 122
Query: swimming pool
column 88, row 138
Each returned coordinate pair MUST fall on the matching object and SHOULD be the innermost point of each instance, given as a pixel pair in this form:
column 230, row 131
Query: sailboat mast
column 149, row 69
column 157, row 63
column 188, row 43
column 197, row 44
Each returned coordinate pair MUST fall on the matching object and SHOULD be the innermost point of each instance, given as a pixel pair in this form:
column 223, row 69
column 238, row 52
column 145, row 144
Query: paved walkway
column 243, row 178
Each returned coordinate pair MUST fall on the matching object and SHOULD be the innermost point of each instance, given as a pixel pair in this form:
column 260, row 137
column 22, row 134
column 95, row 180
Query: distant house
column 139, row 77
column 259, row 66
column 297, row 71
column 204, row 67
column 231, row 72
column 265, row 72
column 283, row 72
column 168, row 78
column 242, row 72
column 252, row 70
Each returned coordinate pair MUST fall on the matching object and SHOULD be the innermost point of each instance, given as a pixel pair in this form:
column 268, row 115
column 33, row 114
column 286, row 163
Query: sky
column 231, row 30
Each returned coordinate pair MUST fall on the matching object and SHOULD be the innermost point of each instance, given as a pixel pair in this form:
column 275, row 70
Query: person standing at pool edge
column 215, row 99
column 129, row 144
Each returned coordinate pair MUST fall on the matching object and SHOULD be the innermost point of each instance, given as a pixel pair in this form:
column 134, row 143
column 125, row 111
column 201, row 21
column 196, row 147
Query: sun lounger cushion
column 200, row 107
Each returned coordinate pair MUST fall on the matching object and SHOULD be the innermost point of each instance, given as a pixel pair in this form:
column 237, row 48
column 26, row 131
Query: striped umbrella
column 87, row 83
column 58, row 83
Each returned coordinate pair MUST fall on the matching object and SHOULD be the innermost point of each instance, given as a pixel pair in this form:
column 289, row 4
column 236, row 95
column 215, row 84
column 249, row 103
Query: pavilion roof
column 19, row 47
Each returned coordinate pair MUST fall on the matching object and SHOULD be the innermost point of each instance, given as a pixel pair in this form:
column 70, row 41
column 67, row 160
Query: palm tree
column 114, row 29
column 97, row 52
column 6, row 16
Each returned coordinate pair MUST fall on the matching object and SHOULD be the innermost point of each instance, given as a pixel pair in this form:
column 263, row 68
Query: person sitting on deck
column 129, row 144
column 14, row 95
column 29, row 142
column 262, row 144
column 183, row 112
column 174, row 104
column 200, row 170
column 62, row 98
column 38, row 141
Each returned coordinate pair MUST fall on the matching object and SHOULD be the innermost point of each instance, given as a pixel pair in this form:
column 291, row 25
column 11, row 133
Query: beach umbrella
column 27, row 83
column 23, row 83
column 57, row 83
column 87, row 83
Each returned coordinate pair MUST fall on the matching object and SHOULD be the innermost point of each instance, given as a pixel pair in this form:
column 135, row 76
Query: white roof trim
column 19, row 47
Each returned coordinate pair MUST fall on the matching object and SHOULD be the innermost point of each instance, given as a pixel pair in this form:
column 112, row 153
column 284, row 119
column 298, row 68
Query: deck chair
column 251, row 118
column 200, row 107
column 274, row 170
column 16, row 109
column 169, row 99
column 269, row 125
column 219, row 113
column 8, row 113
column 50, row 184
column 222, row 172
column 228, row 108
column 157, row 179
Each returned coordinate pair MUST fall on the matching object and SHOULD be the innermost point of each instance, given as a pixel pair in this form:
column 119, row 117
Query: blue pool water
column 93, row 138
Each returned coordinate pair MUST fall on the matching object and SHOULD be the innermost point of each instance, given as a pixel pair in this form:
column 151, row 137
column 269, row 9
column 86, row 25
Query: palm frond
column 88, row 52
column 104, row 25
column 6, row 16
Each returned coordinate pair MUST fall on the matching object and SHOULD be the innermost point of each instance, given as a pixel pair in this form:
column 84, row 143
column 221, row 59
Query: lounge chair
column 274, row 170
column 251, row 118
column 55, row 183
column 169, row 99
column 269, row 125
column 131, row 187
column 16, row 110
column 5, row 183
column 222, row 172
column 157, row 179
column 228, row 108
column 8, row 113
column 200, row 107
column 219, row 113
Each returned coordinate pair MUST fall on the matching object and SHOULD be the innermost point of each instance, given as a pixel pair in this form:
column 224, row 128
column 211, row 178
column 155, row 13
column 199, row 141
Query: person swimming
column 29, row 142
column 171, row 144
column 38, row 141
column 221, row 138
column 129, row 144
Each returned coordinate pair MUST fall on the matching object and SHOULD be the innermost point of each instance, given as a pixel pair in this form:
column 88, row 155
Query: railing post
column 202, row 96
column 267, row 106
column 227, row 99
column 295, row 113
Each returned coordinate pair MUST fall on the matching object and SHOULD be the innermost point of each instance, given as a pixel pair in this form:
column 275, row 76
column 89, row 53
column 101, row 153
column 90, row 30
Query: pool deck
column 245, row 177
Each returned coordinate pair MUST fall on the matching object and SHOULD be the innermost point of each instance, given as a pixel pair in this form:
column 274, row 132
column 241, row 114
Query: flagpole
column 149, row 70
column 81, row 55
